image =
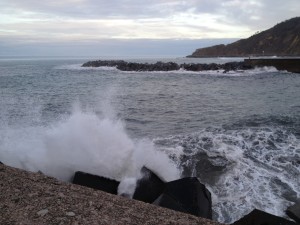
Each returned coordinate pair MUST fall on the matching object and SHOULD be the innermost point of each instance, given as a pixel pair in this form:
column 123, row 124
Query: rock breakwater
column 168, row 66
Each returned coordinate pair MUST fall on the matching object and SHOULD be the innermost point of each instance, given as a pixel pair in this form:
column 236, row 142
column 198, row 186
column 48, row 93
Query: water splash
column 86, row 142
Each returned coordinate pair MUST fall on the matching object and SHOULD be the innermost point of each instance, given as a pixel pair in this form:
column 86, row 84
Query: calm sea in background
column 238, row 132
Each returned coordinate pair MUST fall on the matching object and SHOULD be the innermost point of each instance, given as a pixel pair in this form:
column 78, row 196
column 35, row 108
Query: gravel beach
column 34, row 199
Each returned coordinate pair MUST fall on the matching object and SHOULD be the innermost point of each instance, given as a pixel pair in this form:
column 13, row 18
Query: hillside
column 281, row 40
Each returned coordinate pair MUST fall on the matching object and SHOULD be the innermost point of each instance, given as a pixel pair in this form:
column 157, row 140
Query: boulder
column 294, row 211
column 258, row 217
column 96, row 182
column 187, row 195
column 149, row 187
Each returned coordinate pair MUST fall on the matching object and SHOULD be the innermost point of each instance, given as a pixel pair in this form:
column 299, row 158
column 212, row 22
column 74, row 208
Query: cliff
column 281, row 40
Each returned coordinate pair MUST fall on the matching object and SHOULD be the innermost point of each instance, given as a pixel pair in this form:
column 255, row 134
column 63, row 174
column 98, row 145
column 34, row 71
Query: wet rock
column 149, row 187
column 158, row 66
column 187, row 195
column 108, row 63
column 71, row 214
column 96, row 182
column 294, row 211
column 258, row 217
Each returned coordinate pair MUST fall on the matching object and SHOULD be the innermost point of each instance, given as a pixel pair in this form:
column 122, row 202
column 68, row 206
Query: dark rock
column 108, row 63
column 168, row 66
column 195, row 67
column 258, row 217
column 149, row 187
column 167, row 201
column 288, row 64
column 96, row 182
column 187, row 195
column 158, row 66
column 294, row 212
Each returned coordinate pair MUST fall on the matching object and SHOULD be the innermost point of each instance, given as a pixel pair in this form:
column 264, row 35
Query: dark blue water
column 239, row 133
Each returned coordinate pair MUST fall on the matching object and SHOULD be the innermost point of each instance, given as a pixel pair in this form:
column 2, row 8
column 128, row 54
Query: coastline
column 35, row 199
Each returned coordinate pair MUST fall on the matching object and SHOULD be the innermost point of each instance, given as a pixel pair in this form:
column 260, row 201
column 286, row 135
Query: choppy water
column 239, row 133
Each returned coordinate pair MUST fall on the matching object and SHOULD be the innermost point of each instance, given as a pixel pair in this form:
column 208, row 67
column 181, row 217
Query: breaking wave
column 86, row 142
column 244, row 168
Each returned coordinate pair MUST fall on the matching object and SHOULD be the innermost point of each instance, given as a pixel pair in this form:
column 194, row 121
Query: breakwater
column 288, row 64
column 168, row 66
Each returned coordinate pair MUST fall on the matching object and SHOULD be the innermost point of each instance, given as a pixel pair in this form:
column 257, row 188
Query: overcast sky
column 132, row 27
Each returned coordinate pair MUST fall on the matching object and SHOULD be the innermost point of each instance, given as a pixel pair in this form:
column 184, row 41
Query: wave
column 79, row 67
column 86, row 142
column 243, row 168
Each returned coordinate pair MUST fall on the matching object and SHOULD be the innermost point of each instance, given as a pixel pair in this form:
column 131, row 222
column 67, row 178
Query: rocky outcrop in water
column 167, row 66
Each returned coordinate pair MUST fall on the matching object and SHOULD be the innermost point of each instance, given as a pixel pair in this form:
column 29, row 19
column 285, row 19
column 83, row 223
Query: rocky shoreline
column 34, row 199
column 29, row 198
column 168, row 66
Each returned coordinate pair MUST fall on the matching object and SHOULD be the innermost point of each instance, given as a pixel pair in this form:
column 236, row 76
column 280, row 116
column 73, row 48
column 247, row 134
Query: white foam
column 83, row 141
column 261, row 172
column 218, row 73
column 80, row 67
column 86, row 143
column 127, row 186
column 249, row 183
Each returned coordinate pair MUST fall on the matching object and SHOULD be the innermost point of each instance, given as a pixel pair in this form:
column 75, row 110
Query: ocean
column 238, row 132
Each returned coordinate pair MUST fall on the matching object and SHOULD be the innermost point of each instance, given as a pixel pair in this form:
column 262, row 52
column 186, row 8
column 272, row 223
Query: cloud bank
column 88, row 21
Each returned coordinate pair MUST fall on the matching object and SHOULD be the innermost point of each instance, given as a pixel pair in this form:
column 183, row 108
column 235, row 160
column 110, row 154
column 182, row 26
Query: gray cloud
column 256, row 14
column 78, row 21
column 239, row 11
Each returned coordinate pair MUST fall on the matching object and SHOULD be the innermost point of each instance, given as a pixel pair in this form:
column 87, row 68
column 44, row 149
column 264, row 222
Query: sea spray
column 146, row 154
column 85, row 142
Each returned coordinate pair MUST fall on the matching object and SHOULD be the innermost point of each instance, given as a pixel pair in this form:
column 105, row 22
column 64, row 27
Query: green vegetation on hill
column 281, row 40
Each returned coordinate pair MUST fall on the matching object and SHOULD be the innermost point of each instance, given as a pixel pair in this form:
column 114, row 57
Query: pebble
column 43, row 212
column 70, row 214
column 61, row 195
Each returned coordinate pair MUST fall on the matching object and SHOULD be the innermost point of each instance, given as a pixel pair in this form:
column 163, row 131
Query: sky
column 132, row 27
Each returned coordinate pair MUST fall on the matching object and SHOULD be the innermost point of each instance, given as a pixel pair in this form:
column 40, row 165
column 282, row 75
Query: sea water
column 238, row 132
